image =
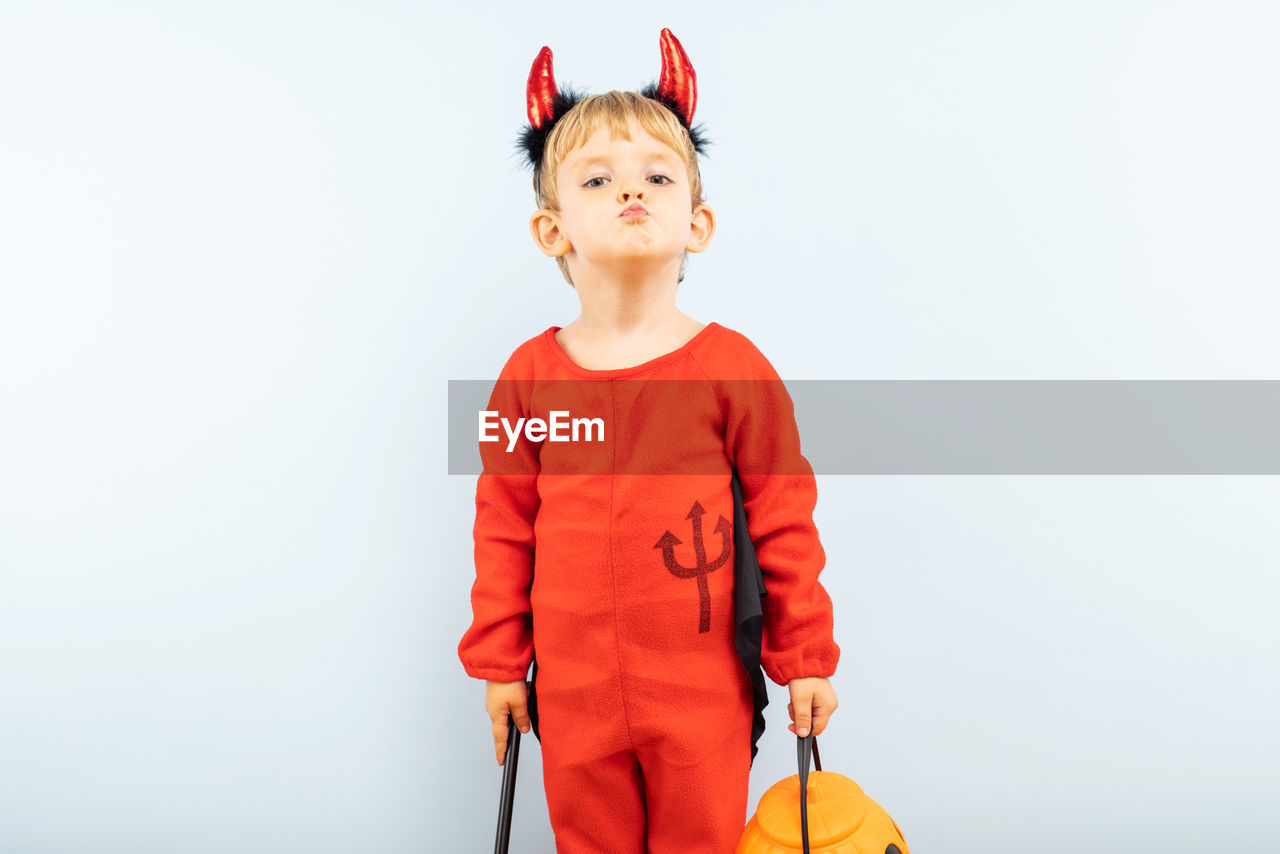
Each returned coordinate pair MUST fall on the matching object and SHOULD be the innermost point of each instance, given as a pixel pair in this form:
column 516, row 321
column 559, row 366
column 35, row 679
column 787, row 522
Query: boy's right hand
column 500, row 700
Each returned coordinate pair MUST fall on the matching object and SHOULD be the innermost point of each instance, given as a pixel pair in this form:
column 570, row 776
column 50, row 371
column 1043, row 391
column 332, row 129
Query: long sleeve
column 779, row 495
column 499, row 643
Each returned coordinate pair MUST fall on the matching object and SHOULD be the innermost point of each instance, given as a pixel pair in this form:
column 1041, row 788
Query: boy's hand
column 501, row 699
column 812, row 702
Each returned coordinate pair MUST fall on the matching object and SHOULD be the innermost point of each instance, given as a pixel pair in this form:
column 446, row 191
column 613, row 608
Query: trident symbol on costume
column 668, row 543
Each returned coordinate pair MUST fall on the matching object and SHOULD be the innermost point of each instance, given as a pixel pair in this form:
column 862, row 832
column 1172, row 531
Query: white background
column 244, row 246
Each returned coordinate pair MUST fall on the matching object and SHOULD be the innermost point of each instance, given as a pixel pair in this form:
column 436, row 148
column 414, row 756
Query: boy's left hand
column 812, row 702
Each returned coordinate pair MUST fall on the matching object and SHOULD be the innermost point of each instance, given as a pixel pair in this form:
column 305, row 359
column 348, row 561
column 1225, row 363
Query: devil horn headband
column 676, row 89
column 678, row 85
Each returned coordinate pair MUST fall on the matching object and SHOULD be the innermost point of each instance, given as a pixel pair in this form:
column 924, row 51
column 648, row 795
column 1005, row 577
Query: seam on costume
column 697, row 363
column 706, row 376
column 613, row 569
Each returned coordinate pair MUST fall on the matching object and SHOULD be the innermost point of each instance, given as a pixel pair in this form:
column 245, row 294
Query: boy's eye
column 592, row 181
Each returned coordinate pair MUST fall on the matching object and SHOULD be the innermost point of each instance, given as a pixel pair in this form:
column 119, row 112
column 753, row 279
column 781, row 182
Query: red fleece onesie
column 614, row 560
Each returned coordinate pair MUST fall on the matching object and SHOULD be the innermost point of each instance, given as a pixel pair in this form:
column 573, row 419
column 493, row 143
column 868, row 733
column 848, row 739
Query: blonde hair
column 613, row 110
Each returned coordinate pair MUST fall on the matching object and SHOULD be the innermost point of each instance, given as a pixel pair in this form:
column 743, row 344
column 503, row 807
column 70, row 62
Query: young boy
column 644, row 707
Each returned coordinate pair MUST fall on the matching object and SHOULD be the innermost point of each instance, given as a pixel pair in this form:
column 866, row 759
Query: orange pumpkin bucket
column 837, row 817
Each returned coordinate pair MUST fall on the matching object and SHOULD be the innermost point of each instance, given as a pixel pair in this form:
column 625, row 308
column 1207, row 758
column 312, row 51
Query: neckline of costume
column 616, row 373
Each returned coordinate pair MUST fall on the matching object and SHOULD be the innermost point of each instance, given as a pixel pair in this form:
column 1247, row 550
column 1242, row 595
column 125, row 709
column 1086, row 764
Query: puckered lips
column 633, row 210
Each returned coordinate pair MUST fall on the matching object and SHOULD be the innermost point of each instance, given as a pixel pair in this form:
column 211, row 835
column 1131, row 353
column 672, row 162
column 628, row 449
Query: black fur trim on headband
column 696, row 134
column 533, row 141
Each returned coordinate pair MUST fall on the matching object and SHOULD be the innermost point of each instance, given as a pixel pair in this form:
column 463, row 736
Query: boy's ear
column 544, row 225
column 702, row 227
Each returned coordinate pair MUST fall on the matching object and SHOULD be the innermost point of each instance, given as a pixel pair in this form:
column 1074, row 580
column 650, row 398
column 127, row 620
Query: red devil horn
column 541, row 91
column 678, row 81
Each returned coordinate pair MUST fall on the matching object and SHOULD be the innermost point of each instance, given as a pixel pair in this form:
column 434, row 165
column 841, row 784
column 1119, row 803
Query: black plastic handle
column 804, row 746
column 507, row 800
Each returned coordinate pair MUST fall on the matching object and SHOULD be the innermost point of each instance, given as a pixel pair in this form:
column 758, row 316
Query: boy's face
column 623, row 204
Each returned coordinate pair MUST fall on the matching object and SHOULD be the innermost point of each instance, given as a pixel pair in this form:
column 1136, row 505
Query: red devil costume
column 619, row 562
